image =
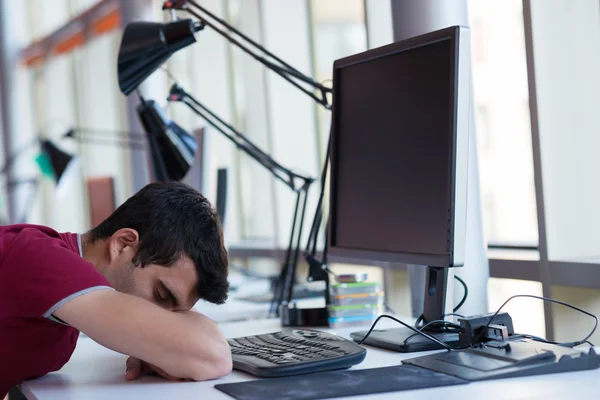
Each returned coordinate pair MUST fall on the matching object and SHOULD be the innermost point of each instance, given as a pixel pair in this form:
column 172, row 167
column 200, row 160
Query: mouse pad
column 340, row 383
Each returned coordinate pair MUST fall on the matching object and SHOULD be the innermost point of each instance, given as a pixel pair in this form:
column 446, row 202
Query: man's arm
column 183, row 344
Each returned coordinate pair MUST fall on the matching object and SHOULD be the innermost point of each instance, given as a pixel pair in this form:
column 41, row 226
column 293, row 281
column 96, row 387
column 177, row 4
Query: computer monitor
column 399, row 150
column 221, row 199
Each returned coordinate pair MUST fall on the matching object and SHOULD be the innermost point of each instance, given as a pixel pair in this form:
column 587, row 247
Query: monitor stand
column 403, row 339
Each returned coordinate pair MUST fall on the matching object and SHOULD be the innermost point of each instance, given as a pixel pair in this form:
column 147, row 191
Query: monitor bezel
column 460, row 70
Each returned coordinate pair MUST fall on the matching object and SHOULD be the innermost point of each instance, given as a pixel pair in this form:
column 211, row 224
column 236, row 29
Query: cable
column 418, row 332
column 541, row 339
column 567, row 344
column 445, row 324
column 460, row 304
column 311, row 244
column 462, row 301
column 442, row 322
column 419, row 320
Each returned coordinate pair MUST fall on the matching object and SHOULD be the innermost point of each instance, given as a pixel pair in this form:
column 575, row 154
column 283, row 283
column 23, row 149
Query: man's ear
column 123, row 244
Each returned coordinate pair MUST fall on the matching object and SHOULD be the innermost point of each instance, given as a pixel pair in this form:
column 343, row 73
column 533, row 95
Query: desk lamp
column 145, row 45
column 172, row 149
column 52, row 160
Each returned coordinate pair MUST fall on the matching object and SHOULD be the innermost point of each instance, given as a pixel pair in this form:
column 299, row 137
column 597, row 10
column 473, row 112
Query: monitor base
column 397, row 339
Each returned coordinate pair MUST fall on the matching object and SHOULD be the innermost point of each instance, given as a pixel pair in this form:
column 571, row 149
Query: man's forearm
column 214, row 357
column 183, row 344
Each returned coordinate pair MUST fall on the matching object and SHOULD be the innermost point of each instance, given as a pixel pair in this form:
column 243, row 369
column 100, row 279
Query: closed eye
column 161, row 297
column 167, row 294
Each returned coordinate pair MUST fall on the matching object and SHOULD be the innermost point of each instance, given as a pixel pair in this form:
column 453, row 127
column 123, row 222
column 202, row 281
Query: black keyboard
column 294, row 352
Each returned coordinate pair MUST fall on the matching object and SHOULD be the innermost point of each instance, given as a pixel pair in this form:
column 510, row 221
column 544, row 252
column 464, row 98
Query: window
column 571, row 325
column 256, row 183
column 566, row 50
column 502, row 122
column 70, row 88
column 339, row 30
column 527, row 313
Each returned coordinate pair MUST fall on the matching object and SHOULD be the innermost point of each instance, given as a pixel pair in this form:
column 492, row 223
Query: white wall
column 291, row 112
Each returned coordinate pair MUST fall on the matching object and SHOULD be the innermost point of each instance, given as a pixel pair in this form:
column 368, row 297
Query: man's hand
column 137, row 368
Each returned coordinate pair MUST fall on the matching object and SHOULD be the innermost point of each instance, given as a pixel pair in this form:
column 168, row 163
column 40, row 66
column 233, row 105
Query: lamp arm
column 18, row 182
column 121, row 142
column 103, row 132
column 265, row 57
column 285, row 285
column 285, row 175
column 11, row 159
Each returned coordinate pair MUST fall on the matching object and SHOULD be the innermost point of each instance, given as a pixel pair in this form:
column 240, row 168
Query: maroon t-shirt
column 40, row 270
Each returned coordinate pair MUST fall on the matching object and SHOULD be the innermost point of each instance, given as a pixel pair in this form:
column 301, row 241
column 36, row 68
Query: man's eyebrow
column 170, row 294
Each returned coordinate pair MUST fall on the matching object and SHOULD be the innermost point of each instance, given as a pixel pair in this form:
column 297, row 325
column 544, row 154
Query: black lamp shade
column 172, row 149
column 146, row 45
column 59, row 159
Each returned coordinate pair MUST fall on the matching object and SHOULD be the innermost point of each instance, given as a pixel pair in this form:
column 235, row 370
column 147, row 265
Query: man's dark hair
column 174, row 220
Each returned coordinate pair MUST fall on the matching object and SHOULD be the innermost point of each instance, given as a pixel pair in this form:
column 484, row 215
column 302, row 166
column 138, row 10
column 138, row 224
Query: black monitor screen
column 392, row 152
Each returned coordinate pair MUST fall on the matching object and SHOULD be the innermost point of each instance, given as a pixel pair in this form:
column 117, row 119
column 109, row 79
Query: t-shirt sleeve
column 41, row 274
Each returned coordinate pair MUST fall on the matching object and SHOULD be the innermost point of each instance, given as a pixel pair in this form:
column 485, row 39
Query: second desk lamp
column 146, row 45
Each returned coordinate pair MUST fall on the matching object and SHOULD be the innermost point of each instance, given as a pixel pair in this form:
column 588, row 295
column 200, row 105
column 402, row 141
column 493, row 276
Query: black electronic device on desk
column 489, row 348
column 508, row 359
column 405, row 340
column 293, row 352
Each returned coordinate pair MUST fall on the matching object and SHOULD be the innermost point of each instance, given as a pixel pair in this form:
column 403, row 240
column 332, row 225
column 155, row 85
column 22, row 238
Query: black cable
column 566, row 344
column 460, row 304
column 419, row 320
column 541, row 339
column 315, row 227
column 462, row 301
column 444, row 324
column 325, row 248
column 418, row 332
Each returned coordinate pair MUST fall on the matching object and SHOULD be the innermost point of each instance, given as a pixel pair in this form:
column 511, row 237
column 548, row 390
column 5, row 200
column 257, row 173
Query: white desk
column 98, row 373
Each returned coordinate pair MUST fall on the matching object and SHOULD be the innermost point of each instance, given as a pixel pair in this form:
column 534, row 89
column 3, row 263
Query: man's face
column 172, row 288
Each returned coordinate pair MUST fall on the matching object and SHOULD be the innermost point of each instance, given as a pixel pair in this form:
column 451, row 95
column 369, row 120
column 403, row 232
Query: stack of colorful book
column 354, row 304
